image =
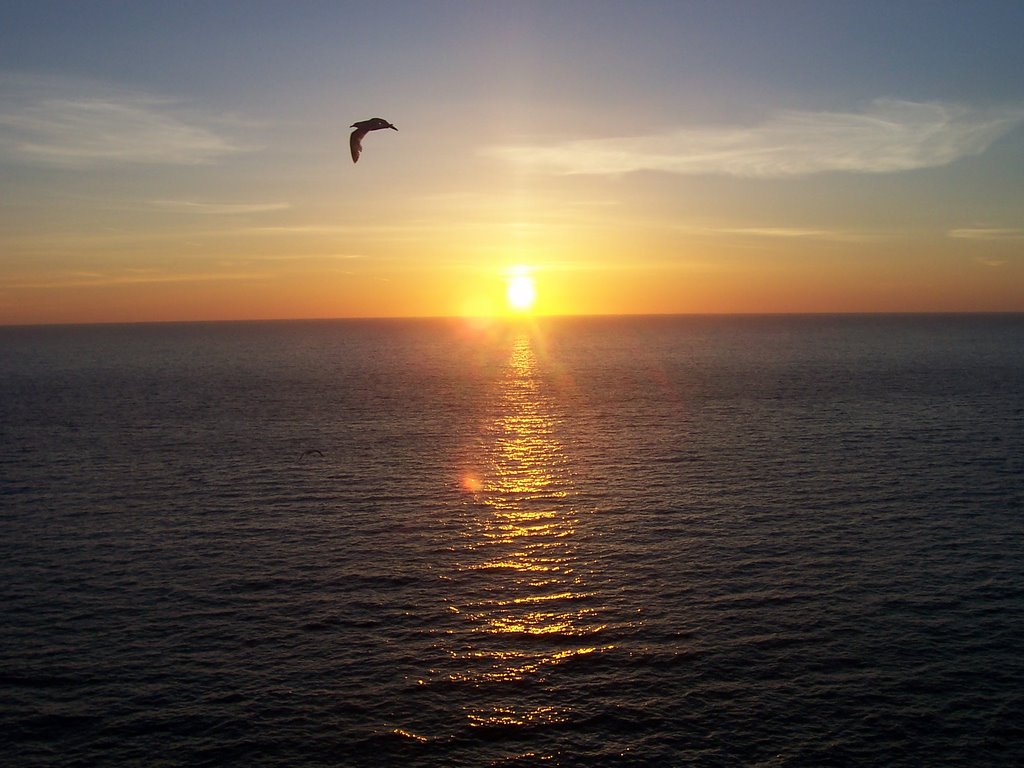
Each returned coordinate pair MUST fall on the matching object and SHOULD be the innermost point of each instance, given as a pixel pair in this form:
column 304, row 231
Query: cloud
column 76, row 125
column 778, row 232
column 133, row 277
column 784, row 233
column 300, row 257
column 987, row 233
column 209, row 208
column 887, row 137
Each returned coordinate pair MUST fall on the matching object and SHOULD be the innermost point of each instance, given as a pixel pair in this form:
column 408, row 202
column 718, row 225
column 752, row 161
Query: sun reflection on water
column 525, row 608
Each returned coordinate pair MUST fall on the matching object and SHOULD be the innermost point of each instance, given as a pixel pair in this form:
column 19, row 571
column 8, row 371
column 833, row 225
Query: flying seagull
column 362, row 128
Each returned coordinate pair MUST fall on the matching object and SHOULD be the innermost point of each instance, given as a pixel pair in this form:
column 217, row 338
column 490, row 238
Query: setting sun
column 521, row 292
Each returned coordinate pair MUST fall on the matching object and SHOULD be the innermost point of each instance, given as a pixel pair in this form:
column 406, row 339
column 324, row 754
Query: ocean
column 643, row 541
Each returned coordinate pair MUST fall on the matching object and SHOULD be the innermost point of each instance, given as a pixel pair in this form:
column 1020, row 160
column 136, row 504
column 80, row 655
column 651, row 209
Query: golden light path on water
column 531, row 609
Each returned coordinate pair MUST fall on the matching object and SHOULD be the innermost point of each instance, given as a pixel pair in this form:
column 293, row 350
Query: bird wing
column 355, row 143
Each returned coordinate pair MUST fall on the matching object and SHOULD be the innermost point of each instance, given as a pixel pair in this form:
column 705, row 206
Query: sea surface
column 663, row 541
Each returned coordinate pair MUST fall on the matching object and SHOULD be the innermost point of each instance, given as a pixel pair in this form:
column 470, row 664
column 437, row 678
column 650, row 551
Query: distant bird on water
column 363, row 127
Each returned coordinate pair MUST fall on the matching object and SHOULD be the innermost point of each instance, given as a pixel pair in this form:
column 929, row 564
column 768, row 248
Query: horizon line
column 517, row 320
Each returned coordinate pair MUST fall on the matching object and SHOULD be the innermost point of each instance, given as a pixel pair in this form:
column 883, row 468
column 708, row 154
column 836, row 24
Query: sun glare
column 521, row 292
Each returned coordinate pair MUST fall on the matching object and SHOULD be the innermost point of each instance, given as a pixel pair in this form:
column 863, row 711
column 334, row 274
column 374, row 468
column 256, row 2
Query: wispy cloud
column 301, row 257
column 75, row 125
column 887, row 137
column 779, row 232
column 132, row 277
column 835, row 235
column 987, row 233
column 212, row 208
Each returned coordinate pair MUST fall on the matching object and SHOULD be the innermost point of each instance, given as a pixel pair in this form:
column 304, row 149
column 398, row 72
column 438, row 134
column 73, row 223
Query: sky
column 189, row 160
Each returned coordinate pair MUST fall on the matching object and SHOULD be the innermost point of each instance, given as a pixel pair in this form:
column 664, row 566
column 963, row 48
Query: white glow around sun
column 521, row 291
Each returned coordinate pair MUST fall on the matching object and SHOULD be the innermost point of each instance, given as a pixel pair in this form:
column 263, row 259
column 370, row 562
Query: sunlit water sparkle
column 647, row 541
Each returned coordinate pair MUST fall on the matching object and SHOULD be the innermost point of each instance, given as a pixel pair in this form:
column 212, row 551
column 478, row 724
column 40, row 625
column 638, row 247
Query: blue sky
column 188, row 151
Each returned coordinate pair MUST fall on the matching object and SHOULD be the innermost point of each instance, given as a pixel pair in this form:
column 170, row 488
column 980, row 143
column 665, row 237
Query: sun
column 521, row 292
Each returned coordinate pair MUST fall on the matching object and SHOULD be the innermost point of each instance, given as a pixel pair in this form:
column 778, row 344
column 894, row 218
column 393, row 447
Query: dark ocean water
column 776, row 541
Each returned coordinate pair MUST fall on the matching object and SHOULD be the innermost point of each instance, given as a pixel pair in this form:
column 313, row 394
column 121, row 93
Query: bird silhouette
column 363, row 127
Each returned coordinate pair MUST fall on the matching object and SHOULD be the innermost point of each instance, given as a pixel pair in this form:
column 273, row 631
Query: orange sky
column 669, row 162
